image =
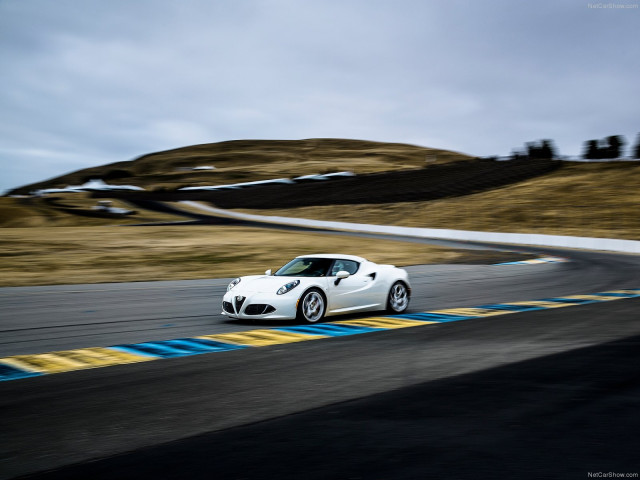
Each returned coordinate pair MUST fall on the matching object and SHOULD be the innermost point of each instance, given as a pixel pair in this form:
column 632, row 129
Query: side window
column 346, row 265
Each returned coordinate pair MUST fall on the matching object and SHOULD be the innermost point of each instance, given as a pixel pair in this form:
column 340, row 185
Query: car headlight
column 233, row 284
column 288, row 287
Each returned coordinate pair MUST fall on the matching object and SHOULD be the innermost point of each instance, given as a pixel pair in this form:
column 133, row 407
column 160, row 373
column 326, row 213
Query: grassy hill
column 396, row 184
column 250, row 160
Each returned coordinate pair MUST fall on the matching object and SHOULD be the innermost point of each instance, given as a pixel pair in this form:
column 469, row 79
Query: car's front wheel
column 398, row 299
column 311, row 307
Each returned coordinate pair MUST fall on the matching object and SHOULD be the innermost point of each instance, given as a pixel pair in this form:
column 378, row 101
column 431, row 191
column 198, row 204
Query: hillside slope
column 599, row 199
column 249, row 160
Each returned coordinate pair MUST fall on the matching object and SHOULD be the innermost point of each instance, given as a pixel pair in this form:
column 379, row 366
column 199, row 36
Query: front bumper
column 257, row 306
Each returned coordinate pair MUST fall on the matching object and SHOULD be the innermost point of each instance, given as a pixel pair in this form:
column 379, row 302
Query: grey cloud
column 89, row 82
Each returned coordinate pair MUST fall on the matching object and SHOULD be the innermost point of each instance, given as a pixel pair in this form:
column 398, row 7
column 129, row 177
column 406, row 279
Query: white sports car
column 311, row 287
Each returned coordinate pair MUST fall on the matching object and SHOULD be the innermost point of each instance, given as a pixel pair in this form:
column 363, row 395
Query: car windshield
column 305, row 267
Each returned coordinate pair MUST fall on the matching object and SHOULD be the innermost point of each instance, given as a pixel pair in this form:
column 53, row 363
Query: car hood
column 265, row 283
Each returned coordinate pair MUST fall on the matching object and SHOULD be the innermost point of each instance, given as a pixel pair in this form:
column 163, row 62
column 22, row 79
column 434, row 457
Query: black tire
column 312, row 306
column 398, row 298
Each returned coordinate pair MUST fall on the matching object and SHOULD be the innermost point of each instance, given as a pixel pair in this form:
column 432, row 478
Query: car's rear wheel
column 312, row 306
column 398, row 299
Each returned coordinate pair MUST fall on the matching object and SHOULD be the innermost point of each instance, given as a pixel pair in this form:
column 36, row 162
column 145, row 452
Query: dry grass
column 36, row 212
column 291, row 165
column 67, row 255
column 597, row 200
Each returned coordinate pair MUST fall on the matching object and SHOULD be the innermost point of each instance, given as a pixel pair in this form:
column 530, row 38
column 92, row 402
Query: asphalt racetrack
column 551, row 393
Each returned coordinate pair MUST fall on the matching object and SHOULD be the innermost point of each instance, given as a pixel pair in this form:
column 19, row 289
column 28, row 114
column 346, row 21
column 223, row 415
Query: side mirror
column 268, row 272
column 340, row 275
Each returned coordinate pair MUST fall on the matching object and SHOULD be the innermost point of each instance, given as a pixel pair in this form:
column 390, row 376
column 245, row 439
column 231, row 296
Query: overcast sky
column 89, row 82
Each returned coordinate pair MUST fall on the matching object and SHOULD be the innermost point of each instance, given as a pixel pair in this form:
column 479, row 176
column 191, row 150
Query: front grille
column 259, row 309
column 238, row 301
column 227, row 307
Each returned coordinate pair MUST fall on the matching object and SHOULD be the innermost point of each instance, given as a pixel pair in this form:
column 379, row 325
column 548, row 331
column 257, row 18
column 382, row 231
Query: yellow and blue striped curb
column 536, row 261
column 33, row 365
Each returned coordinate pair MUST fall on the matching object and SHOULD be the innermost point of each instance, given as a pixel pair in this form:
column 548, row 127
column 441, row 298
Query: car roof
column 334, row 256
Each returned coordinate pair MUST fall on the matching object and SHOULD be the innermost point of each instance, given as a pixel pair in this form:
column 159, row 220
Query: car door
column 350, row 293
